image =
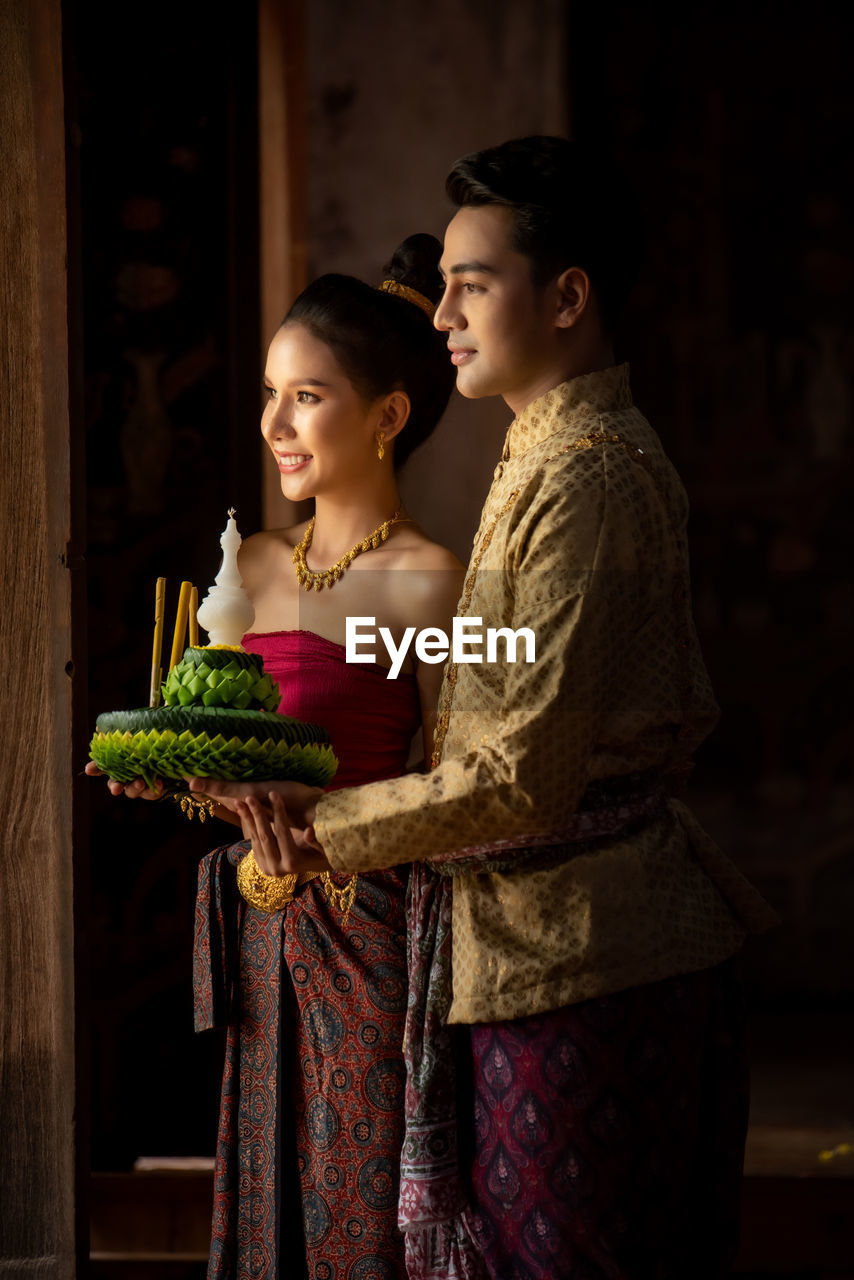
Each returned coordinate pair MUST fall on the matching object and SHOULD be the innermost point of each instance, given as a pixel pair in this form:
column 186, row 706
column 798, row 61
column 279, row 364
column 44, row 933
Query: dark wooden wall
column 735, row 126
column 36, row 948
column 170, row 362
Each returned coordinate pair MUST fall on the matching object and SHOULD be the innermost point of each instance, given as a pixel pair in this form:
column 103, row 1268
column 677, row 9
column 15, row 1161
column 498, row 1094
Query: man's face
column 501, row 329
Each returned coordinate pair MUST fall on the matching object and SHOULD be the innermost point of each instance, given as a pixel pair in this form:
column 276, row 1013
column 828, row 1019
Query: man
column 593, row 920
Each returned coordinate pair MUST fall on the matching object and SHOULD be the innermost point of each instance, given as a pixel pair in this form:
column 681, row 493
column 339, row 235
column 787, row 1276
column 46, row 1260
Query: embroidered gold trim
column 600, row 437
column 450, row 685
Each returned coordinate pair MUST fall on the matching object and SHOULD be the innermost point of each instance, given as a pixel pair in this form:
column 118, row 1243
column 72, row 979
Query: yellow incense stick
column 180, row 635
column 194, row 621
column 157, row 649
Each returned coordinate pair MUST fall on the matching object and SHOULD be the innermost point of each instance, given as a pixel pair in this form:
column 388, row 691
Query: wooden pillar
column 36, row 944
column 282, row 177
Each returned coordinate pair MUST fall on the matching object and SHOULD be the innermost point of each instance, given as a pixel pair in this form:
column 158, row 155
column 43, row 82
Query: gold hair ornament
column 411, row 295
column 317, row 579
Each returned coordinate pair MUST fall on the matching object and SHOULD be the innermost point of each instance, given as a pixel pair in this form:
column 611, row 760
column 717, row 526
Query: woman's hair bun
column 384, row 341
column 415, row 263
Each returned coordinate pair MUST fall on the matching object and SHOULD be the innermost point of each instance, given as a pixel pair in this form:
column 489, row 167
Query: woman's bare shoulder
column 413, row 549
column 261, row 550
column 269, row 541
column 426, row 593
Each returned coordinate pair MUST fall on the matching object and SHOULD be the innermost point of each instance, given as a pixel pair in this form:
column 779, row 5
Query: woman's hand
column 280, row 848
column 136, row 790
column 139, row 790
column 300, row 800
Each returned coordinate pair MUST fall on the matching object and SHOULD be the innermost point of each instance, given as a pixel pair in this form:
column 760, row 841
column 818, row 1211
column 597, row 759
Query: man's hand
column 279, row 848
column 299, row 800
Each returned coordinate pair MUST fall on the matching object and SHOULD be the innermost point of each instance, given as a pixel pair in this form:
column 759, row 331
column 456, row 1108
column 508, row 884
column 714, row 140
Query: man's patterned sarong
column 610, row 1135
column 435, row 1212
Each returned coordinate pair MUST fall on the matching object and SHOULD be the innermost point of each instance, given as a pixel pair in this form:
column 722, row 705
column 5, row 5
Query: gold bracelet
column 273, row 893
column 203, row 806
column 267, row 893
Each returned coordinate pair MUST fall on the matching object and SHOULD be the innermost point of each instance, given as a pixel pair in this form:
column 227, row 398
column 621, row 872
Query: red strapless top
column 370, row 719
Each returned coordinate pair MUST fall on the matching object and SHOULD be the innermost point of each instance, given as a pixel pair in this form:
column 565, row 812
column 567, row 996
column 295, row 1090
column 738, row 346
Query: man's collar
column 589, row 394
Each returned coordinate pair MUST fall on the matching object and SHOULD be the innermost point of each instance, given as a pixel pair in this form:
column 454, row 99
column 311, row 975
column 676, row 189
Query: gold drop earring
column 380, row 445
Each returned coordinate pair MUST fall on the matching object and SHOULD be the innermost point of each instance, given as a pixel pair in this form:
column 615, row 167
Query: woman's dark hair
column 383, row 341
column 569, row 207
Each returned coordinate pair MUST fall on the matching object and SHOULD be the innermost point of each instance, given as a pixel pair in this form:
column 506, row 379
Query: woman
column 311, row 1123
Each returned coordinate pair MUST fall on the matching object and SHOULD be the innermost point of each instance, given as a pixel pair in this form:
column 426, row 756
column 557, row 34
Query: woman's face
column 320, row 430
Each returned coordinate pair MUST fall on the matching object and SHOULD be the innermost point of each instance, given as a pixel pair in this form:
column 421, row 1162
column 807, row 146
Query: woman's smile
column 290, row 462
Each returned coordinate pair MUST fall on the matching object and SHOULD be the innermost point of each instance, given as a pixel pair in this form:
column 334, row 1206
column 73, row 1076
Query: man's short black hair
column 570, row 209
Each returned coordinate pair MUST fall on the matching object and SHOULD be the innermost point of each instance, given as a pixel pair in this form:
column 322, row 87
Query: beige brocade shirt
column 582, row 539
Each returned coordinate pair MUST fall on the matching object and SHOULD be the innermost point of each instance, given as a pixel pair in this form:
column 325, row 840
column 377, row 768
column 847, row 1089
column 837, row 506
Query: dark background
column 736, row 127
column 170, row 309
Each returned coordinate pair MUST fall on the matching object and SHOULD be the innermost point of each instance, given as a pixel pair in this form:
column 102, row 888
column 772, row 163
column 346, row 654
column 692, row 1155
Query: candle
column 194, row 619
column 157, row 650
column 180, row 624
column 226, row 612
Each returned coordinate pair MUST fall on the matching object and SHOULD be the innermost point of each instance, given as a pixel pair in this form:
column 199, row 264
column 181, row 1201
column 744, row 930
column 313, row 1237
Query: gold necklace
column 320, row 578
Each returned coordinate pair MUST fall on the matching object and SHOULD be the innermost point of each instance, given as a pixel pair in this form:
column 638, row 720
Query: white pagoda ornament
column 226, row 612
